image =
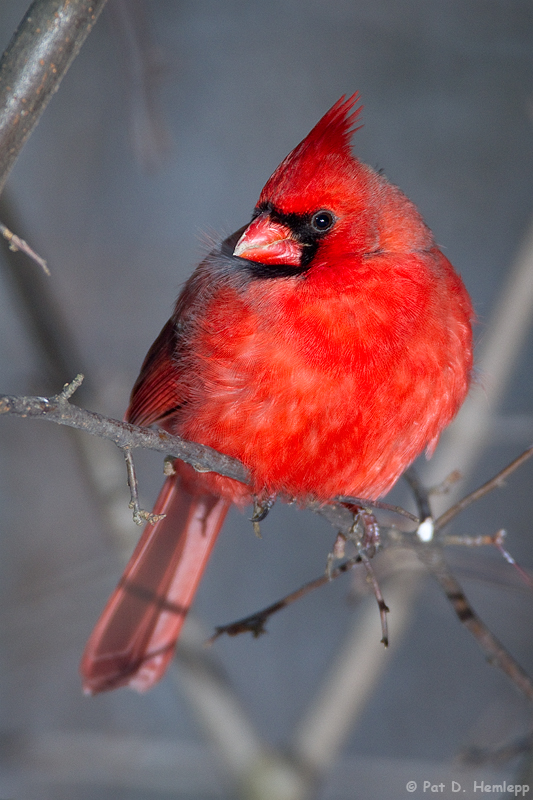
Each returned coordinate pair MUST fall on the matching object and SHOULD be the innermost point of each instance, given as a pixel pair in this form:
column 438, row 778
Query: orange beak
column 269, row 242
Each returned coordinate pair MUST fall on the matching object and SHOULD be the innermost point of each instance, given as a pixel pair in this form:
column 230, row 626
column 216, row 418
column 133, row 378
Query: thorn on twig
column 168, row 466
column 69, row 388
column 337, row 554
column 15, row 243
column 139, row 514
column 448, row 482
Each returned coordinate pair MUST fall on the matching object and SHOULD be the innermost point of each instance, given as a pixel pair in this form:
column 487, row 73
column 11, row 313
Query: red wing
column 156, row 392
column 159, row 390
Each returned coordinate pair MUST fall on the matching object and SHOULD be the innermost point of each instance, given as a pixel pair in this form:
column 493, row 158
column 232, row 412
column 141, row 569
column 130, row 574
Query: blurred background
column 159, row 139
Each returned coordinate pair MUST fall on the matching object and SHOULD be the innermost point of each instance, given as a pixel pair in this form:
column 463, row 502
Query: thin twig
column 494, row 539
column 494, row 483
column 16, row 243
column 360, row 501
column 255, row 623
column 432, row 556
column 383, row 609
column 139, row 514
column 70, row 388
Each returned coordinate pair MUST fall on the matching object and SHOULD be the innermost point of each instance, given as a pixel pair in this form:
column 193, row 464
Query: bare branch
column 57, row 409
column 494, row 483
column 36, row 60
column 255, row 623
column 126, row 436
column 129, row 437
column 432, row 556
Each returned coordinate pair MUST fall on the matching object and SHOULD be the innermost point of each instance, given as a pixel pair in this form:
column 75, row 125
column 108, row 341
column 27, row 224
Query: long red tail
column 134, row 638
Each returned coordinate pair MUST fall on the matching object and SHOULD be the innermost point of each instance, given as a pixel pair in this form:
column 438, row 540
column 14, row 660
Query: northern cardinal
column 325, row 345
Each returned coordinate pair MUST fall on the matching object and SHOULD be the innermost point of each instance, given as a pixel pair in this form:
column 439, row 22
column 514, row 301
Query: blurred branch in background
column 42, row 49
column 144, row 67
column 500, row 347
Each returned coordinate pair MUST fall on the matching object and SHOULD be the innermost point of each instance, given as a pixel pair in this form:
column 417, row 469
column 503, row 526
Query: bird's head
column 322, row 200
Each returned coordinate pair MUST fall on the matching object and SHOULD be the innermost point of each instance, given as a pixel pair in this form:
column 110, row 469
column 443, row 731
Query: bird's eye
column 323, row 221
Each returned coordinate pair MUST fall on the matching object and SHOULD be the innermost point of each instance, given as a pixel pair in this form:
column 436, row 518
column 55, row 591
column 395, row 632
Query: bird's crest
column 313, row 163
column 334, row 131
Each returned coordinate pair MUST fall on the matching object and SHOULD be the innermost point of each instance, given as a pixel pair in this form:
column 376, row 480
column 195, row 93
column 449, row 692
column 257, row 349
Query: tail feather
column 135, row 637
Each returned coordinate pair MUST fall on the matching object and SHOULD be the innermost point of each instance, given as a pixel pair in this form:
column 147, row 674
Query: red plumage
column 325, row 346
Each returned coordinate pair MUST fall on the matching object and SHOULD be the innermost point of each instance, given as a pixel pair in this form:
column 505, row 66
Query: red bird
column 325, row 345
